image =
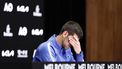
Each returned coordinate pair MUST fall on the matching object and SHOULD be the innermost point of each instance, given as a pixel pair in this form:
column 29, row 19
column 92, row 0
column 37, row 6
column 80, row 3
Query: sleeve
column 79, row 57
column 45, row 53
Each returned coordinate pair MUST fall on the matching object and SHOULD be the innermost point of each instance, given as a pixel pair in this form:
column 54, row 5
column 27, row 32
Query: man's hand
column 73, row 40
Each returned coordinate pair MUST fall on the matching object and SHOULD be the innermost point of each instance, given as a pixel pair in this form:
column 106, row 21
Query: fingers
column 76, row 38
column 73, row 41
column 75, row 44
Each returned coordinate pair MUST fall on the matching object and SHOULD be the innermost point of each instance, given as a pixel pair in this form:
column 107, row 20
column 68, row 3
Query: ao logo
column 23, row 31
column 8, row 7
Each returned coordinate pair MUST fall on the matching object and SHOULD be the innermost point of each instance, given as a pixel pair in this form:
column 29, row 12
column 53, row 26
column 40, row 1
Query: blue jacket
column 51, row 51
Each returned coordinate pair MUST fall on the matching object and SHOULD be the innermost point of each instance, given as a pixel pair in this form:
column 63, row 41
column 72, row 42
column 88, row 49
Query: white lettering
column 111, row 66
column 48, row 66
column 7, row 53
column 37, row 32
column 8, row 7
column 37, row 13
column 22, row 31
column 7, row 33
column 95, row 66
column 23, row 8
column 118, row 66
column 22, row 53
column 82, row 66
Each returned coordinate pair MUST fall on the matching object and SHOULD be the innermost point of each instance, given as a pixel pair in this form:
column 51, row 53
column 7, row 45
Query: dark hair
column 72, row 27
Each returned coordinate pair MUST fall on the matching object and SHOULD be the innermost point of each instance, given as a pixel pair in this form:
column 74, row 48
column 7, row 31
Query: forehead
column 75, row 36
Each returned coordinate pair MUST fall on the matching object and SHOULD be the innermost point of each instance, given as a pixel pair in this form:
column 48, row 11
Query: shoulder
column 45, row 46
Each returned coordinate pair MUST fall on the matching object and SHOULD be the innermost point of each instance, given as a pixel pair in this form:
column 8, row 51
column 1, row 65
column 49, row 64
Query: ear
column 64, row 34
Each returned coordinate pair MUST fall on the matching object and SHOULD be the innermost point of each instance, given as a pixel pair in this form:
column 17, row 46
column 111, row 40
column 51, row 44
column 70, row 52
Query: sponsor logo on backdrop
column 23, row 31
column 20, row 53
column 8, row 7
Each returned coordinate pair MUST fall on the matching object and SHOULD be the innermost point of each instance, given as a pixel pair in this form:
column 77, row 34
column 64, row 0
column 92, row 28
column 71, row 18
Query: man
column 58, row 47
